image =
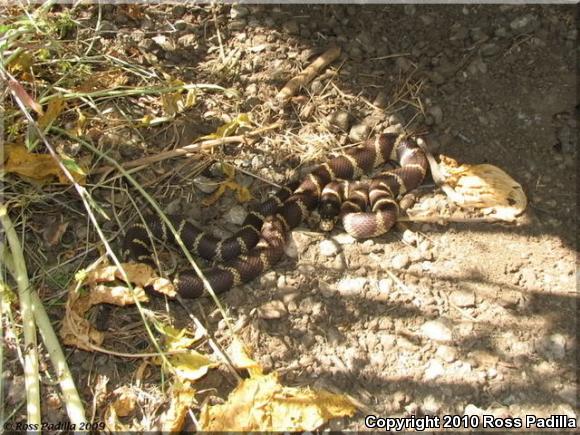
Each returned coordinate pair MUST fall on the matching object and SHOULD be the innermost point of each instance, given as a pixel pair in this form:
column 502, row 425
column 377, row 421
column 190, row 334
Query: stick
column 307, row 75
column 188, row 149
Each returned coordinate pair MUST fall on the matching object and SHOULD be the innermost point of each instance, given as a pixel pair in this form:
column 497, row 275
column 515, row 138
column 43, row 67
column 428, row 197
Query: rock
column 431, row 405
column 291, row 27
column 489, row 49
column 446, row 353
column 433, row 370
column 437, row 330
column 459, row 34
column 344, row 239
column 359, row 133
column 385, row 285
column 340, row 119
column 351, row 286
column 236, row 215
column 478, row 35
column 297, row 244
column 205, row 184
column 182, row 25
column 238, row 24
column 437, row 78
column 272, row 310
column 328, row 248
column 381, row 99
column 523, row 24
column 473, row 410
column 409, row 237
column 553, row 346
column 403, row 64
column 462, row 298
column 108, row 27
column 388, row 341
column 400, row 261
column 238, row 11
column 410, row 9
column 437, row 113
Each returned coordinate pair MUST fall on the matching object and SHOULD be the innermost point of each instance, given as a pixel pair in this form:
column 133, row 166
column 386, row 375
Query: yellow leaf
column 80, row 124
column 215, row 196
column 192, row 365
column 169, row 103
column 261, row 403
column 22, row 64
column 55, row 107
column 483, row 186
column 229, row 128
column 125, row 401
column 239, row 356
column 182, row 398
column 40, row 167
column 176, row 339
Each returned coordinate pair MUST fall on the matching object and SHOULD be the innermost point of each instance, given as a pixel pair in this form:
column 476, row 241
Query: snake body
column 260, row 242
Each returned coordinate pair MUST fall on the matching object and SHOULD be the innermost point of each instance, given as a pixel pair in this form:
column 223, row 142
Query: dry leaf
column 230, row 128
column 55, row 107
column 242, row 193
column 239, row 356
column 483, row 186
column 101, row 80
column 182, row 398
column 22, row 64
column 190, row 365
column 125, row 402
column 40, row 167
column 23, row 96
column 54, row 230
column 261, row 403
column 78, row 331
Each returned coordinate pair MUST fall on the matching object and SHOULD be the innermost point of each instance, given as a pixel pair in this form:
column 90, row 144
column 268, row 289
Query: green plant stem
column 72, row 400
column 31, row 376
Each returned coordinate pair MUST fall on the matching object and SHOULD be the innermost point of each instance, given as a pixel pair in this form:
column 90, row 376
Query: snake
column 366, row 209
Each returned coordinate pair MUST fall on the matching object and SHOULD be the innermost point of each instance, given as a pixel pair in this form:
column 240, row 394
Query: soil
column 429, row 319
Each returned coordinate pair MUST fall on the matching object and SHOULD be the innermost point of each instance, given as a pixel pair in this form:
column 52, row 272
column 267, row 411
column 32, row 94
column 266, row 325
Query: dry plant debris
column 483, row 186
column 261, row 403
column 41, row 168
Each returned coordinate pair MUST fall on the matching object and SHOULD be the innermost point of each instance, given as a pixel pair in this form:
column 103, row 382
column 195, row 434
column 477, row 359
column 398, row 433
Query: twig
column 188, row 149
column 307, row 75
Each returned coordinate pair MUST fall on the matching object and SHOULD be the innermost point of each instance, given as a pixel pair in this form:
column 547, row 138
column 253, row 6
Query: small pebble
column 359, row 133
column 272, row 310
column 344, row 239
column 446, row 353
column 351, row 286
column 462, row 298
column 400, row 261
column 433, row 370
column 437, row 330
column 236, row 215
column 328, row 248
column 205, row 184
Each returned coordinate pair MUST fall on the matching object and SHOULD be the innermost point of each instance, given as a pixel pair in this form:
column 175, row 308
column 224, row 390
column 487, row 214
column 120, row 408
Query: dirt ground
column 430, row 319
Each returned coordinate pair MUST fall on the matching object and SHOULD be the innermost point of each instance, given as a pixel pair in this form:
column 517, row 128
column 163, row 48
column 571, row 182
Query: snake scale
column 259, row 244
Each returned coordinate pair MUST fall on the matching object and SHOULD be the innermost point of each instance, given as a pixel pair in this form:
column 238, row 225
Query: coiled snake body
column 260, row 242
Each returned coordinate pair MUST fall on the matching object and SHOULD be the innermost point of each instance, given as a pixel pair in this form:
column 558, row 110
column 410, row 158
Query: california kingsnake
column 263, row 236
